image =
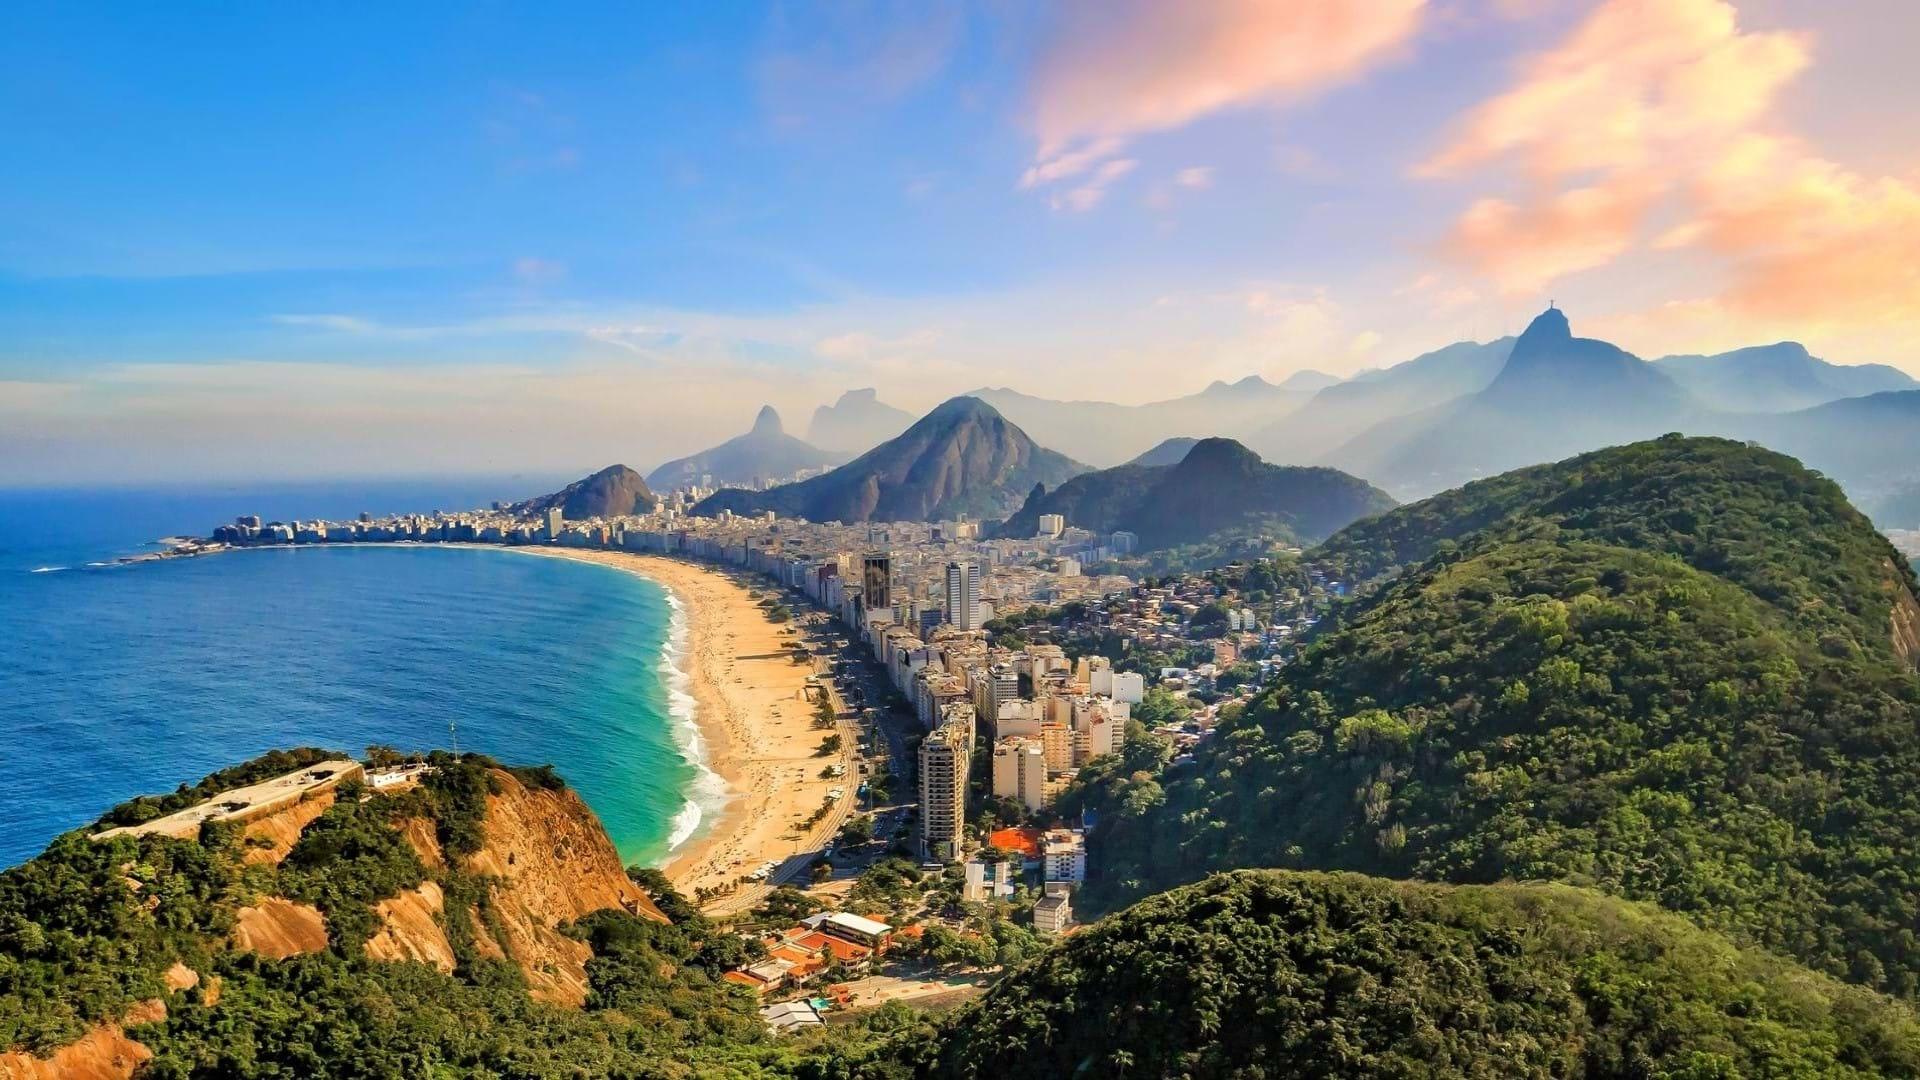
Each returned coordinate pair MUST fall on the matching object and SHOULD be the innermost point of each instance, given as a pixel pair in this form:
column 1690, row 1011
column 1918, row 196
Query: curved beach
column 754, row 722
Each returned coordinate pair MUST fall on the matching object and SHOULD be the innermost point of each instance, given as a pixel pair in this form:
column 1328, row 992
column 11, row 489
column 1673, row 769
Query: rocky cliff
column 541, row 861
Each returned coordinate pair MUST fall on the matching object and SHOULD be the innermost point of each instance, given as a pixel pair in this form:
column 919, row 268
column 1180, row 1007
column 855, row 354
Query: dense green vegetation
column 89, row 928
column 1664, row 670
column 1266, row 974
column 1219, row 496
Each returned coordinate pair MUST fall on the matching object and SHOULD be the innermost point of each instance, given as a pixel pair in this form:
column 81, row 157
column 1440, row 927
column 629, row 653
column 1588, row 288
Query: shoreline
column 750, row 715
column 745, row 725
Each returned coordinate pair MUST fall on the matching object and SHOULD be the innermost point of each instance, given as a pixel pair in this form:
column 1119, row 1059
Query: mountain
column 764, row 453
column 1337, row 413
column 1309, row 381
column 1263, row 973
column 479, row 920
column 1167, row 452
column 1217, row 487
column 614, row 491
column 1870, row 444
column 1556, row 395
column 1782, row 377
column 857, row 422
column 961, row 458
column 1105, row 433
column 1680, row 671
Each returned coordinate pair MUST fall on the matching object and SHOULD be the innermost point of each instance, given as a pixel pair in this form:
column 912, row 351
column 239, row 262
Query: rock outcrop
column 550, row 863
column 277, row 928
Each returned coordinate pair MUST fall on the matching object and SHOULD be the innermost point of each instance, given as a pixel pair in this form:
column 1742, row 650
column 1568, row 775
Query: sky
column 253, row 241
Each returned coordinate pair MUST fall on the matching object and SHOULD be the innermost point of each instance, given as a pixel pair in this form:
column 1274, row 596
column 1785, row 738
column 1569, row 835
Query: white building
column 1128, row 686
column 989, row 881
column 1052, row 525
column 1053, row 913
column 1064, row 856
column 1020, row 771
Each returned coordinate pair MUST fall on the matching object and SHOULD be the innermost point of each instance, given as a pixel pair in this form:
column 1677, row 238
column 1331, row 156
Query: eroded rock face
column 276, row 833
column 277, row 928
column 414, row 928
column 105, row 1053
column 551, row 863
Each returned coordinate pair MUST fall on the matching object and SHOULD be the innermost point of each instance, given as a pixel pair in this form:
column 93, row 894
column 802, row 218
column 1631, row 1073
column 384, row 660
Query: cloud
column 1636, row 83
column 1524, row 247
column 345, row 324
column 1117, row 69
column 536, row 271
column 1604, row 126
column 1090, row 194
column 1807, row 238
column 1197, row 177
column 1656, row 112
column 833, row 62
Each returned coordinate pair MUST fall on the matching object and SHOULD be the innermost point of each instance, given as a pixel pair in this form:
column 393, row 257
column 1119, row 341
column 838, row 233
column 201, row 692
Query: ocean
column 122, row 680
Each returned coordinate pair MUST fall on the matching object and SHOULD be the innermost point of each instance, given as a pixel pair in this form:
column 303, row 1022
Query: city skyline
column 426, row 241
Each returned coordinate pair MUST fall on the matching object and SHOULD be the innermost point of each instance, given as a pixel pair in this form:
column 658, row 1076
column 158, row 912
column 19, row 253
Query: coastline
column 749, row 715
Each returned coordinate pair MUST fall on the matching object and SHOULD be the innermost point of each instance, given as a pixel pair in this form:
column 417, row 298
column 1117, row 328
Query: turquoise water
column 116, row 681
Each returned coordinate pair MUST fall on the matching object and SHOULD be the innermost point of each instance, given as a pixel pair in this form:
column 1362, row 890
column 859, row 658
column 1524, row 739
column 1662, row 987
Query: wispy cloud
column 1091, row 192
column 1118, row 70
column 345, row 324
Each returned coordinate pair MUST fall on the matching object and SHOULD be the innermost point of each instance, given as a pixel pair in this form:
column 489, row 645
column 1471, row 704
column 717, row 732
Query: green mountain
column 961, row 458
column 766, row 452
column 1217, row 487
column 614, row 491
column 1782, row 377
column 1258, row 974
column 1680, row 671
column 477, row 924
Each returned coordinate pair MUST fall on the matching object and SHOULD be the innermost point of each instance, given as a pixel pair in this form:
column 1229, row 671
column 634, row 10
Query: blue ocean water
column 122, row 680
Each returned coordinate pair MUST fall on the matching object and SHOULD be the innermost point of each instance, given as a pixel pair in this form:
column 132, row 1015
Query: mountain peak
column 768, row 422
column 1217, row 451
column 964, row 407
column 1550, row 325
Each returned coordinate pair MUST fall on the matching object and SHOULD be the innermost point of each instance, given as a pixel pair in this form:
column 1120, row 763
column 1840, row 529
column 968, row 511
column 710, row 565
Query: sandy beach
column 752, row 711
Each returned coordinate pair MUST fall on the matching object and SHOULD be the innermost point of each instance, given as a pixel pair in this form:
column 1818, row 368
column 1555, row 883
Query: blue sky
column 417, row 238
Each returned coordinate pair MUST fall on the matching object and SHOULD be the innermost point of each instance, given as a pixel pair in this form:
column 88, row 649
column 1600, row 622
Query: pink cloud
column 1524, row 247
column 1122, row 68
column 1631, row 88
column 1806, row 237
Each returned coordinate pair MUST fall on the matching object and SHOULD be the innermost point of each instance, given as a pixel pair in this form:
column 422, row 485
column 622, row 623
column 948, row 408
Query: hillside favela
column 1238, row 539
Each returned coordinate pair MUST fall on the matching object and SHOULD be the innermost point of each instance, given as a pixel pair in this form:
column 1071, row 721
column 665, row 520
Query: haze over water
column 125, row 680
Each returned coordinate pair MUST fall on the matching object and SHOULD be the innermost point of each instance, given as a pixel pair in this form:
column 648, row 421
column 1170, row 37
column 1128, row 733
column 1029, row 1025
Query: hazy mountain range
column 765, row 452
column 962, row 458
column 1467, row 410
column 857, row 422
column 1104, row 433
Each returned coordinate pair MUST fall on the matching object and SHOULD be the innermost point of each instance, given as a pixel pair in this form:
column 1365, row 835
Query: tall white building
column 1020, row 772
column 963, row 595
column 944, row 757
column 1052, row 525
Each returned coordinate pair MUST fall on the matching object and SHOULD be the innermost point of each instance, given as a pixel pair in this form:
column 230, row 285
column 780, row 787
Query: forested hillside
column 1269, row 974
column 1665, row 670
column 148, row 929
